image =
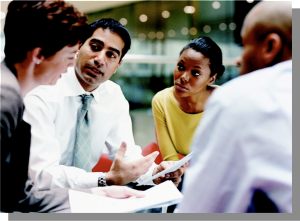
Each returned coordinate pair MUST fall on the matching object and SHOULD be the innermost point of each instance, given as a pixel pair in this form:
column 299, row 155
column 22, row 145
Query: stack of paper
column 164, row 194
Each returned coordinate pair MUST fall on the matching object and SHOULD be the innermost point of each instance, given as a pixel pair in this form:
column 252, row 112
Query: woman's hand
column 173, row 176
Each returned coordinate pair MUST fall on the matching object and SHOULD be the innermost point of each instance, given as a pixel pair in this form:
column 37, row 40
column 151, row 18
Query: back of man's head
column 50, row 25
column 115, row 27
column 273, row 17
column 266, row 36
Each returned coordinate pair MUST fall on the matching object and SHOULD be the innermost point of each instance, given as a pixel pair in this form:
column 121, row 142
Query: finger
column 149, row 159
column 152, row 156
column 176, row 181
column 164, row 165
column 160, row 168
column 131, row 192
column 175, row 174
column 122, row 150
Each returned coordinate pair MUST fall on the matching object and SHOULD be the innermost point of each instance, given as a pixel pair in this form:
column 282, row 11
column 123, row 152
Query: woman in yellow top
column 177, row 110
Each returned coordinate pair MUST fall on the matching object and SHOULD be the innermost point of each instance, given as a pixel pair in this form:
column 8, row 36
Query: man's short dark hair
column 50, row 25
column 115, row 27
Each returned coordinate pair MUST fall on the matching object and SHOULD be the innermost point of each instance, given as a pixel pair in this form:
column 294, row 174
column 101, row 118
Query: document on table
column 169, row 169
column 164, row 194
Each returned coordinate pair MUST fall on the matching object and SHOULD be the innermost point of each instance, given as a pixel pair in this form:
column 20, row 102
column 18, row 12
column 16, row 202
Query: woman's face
column 192, row 73
column 50, row 69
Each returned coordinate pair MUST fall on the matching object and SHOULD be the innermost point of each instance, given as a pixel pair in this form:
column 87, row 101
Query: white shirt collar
column 74, row 88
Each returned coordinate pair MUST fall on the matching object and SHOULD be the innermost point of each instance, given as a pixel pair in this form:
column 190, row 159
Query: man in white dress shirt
column 243, row 146
column 52, row 111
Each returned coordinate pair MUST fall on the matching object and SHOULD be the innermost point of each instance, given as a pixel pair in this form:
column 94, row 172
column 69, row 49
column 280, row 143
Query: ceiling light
column 141, row 36
column 216, row 5
column 184, row 31
column 143, row 18
column 123, row 21
column 151, row 35
column 223, row 26
column 160, row 35
column 232, row 26
column 206, row 28
column 189, row 9
column 193, row 31
column 171, row 33
column 165, row 14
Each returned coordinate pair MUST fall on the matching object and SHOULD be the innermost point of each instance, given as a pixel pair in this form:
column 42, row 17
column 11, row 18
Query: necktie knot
column 86, row 101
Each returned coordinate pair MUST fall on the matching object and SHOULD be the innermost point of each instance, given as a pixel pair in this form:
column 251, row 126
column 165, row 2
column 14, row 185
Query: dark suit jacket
column 18, row 193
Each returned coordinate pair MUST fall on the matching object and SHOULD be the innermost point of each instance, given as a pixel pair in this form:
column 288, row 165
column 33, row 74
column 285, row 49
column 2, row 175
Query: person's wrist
column 110, row 179
column 102, row 180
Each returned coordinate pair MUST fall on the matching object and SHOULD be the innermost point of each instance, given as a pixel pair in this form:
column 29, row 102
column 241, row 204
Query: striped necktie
column 82, row 155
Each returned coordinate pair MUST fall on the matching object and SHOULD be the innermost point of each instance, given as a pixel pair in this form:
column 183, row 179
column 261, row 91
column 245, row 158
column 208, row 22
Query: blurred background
column 159, row 30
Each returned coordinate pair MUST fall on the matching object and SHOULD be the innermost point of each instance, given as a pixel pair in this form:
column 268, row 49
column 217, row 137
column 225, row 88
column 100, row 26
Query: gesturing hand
column 123, row 172
column 174, row 176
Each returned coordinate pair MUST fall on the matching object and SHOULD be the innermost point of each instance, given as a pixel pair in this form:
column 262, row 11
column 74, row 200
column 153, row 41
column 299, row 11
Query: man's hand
column 174, row 176
column 123, row 172
column 118, row 192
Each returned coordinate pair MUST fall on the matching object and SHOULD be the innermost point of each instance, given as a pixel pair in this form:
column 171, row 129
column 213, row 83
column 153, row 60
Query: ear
column 119, row 65
column 212, row 80
column 77, row 52
column 272, row 45
column 37, row 56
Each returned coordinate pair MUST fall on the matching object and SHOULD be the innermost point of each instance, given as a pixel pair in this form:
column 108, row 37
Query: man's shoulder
column 111, row 84
column 259, row 79
column 111, row 88
column 253, row 88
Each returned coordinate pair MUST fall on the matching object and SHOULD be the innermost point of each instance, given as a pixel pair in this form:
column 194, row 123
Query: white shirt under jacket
column 243, row 143
column 52, row 112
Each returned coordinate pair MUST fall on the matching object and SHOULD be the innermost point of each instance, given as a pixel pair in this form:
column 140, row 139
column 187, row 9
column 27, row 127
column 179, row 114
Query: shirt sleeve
column 45, row 155
column 120, row 131
column 165, row 143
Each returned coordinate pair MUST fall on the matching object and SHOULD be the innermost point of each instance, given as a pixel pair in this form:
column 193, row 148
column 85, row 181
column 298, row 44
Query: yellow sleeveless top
column 174, row 127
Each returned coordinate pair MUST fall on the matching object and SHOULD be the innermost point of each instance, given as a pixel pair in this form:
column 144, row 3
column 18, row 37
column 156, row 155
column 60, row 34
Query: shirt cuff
column 89, row 180
column 147, row 175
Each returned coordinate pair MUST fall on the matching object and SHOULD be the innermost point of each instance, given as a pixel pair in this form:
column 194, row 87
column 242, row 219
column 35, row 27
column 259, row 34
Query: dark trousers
column 261, row 203
column 171, row 208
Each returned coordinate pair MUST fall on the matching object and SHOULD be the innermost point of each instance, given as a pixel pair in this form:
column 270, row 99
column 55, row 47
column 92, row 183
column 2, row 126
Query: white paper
column 169, row 169
column 160, row 195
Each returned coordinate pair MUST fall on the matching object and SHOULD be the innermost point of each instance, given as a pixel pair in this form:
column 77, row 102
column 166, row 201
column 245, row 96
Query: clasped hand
column 173, row 176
